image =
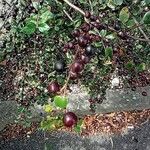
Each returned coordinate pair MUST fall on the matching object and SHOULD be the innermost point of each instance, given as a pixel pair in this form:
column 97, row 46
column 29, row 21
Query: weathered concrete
column 137, row 139
column 116, row 100
column 8, row 111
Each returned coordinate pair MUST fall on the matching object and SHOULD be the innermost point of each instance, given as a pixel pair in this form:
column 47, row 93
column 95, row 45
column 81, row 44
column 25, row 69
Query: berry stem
column 130, row 36
column 63, row 89
column 74, row 7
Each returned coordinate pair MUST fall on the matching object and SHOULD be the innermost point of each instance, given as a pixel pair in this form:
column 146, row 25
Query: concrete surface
column 137, row 139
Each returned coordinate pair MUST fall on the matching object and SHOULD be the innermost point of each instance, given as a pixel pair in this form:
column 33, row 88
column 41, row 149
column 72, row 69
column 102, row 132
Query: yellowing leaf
column 48, row 108
column 124, row 15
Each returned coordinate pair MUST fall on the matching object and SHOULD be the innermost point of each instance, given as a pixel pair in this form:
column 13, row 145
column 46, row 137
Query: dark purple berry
column 85, row 59
column 87, row 14
column 93, row 18
column 82, row 41
column 85, row 27
column 70, row 45
column 76, row 33
column 53, row 87
column 70, row 119
column 77, row 67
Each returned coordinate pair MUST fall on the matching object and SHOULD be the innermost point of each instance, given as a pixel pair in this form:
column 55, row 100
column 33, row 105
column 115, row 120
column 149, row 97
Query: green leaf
column 146, row 18
column 29, row 28
column 51, row 123
column 43, row 27
column 111, row 4
column 124, row 14
column 118, row 2
column 78, row 127
column 147, row 1
column 141, row 67
column 103, row 33
column 36, row 5
column 130, row 23
column 60, row 101
column 97, row 44
column 129, row 65
column 110, row 36
column 108, row 52
column 77, row 23
column 47, row 15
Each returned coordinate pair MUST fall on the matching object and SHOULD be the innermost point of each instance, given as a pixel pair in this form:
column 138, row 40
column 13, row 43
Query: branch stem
column 74, row 7
column 141, row 30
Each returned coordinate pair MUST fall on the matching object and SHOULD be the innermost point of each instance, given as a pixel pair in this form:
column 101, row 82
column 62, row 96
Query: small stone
column 115, row 82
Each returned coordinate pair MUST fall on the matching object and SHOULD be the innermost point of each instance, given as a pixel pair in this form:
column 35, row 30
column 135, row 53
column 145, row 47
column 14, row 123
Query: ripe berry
column 77, row 67
column 84, row 59
column 87, row 36
column 117, row 26
column 59, row 66
column 85, row 27
column 89, row 51
column 93, row 18
column 82, row 41
column 53, row 87
column 70, row 45
column 70, row 119
column 87, row 14
column 122, row 35
column 76, row 33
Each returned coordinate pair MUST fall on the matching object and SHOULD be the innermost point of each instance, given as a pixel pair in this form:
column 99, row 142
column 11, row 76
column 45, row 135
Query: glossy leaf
column 147, row 1
column 43, row 27
column 108, row 52
column 124, row 14
column 29, row 28
column 129, row 65
column 141, row 67
column 111, row 4
column 118, row 2
column 60, row 101
column 46, row 16
column 78, row 127
column 146, row 18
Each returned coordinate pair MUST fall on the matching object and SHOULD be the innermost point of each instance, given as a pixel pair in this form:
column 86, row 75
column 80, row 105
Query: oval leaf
column 43, row 27
column 29, row 28
column 118, row 2
column 147, row 2
column 124, row 15
column 146, row 18
column 108, row 52
column 60, row 101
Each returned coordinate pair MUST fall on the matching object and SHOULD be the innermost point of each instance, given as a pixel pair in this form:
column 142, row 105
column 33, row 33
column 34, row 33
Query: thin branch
column 112, row 29
column 68, row 15
column 130, row 36
column 141, row 30
column 7, row 3
column 140, row 39
column 75, row 7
